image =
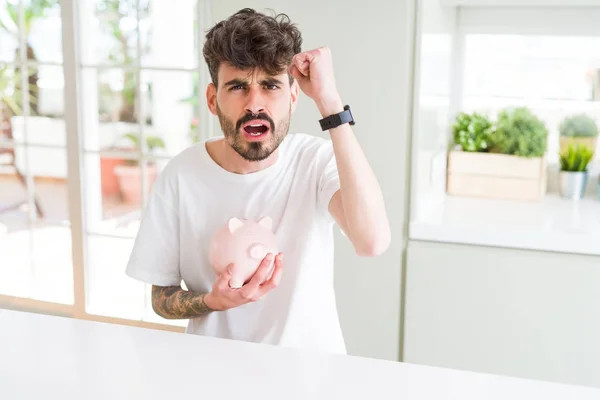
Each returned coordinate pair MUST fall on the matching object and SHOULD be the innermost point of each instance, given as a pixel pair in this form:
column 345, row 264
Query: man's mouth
column 255, row 128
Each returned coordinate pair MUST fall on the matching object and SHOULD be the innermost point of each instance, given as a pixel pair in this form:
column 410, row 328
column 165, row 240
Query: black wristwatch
column 335, row 120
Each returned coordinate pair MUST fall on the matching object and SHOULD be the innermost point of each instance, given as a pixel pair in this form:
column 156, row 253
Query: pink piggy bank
column 243, row 242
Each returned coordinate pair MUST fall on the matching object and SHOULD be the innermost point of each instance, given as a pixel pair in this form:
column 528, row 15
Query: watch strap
column 335, row 120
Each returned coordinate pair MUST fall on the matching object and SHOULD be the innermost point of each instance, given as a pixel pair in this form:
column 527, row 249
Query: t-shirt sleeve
column 154, row 258
column 329, row 179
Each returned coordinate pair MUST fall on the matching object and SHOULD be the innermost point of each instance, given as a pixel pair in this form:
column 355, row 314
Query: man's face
column 254, row 109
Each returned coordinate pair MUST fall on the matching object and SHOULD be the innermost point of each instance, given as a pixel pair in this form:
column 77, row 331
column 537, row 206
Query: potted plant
column 130, row 173
column 108, row 179
column 472, row 132
column 578, row 129
column 574, row 163
column 501, row 160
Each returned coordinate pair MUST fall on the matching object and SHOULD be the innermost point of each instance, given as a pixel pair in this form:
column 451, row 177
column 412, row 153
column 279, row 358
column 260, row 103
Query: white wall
column 504, row 311
column 526, row 20
column 371, row 49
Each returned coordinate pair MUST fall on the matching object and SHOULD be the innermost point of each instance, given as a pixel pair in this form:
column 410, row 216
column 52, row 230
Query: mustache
column 251, row 117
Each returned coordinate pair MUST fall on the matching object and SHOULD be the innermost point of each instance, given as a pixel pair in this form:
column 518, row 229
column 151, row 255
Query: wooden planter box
column 586, row 141
column 496, row 176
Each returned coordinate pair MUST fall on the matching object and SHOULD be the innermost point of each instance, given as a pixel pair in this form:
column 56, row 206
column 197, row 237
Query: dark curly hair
column 249, row 40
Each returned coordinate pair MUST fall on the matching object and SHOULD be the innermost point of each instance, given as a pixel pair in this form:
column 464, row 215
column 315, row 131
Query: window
column 555, row 76
column 475, row 57
column 138, row 79
column 35, row 231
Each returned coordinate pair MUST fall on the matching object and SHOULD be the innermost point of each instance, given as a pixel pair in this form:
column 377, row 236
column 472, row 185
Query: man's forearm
column 364, row 207
column 173, row 302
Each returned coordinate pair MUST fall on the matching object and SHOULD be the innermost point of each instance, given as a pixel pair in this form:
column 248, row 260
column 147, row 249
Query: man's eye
column 272, row 87
column 237, row 87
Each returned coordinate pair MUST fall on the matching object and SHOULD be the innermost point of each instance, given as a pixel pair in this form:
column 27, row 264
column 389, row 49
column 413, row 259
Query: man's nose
column 255, row 101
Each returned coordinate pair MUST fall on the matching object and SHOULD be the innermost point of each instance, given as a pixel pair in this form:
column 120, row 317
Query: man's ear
column 295, row 90
column 211, row 98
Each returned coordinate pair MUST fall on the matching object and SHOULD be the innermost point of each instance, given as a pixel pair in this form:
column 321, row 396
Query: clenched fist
column 314, row 72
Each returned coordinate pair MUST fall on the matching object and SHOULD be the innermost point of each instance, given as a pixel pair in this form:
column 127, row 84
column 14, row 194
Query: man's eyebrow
column 235, row 82
column 271, row 81
column 265, row 81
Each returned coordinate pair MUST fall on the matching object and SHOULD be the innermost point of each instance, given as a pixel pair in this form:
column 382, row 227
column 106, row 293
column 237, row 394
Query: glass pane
column 532, row 67
column 42, row 30
column 109, row 29
column 45, row 124
column 48, row 170
column 9, row 39
column 107, row 209
column 35, row 237
column 164, row 43
column 45, row 30
column 53, row 262
column 110, row 114
column 554, row 76
column 113, row 193
column 170, row 101
column 11, row 99
column 16, row 266
column 110, row 291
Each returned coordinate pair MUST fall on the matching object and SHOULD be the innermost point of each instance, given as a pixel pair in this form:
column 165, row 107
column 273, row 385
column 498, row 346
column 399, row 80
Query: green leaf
column 519, row 132
column 153, row 142
column 576, row 158
column 472, row 132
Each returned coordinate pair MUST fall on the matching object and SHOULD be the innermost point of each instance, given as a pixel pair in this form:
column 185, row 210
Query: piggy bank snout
column 257, row 251
column 243, row 243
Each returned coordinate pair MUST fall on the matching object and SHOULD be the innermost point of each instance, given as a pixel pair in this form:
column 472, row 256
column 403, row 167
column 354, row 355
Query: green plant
column 576, row 159
column 33, row 11
column 11, row 96
column 579, row 125
column 472, row 132
column 118, row 19
column 521, row 133
column 152, row 143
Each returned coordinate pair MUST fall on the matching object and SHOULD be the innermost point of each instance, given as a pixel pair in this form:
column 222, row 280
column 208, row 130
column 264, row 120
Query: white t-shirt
column 194, row 196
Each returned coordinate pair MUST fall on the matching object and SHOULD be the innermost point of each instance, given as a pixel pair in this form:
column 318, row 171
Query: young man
column 305, row 183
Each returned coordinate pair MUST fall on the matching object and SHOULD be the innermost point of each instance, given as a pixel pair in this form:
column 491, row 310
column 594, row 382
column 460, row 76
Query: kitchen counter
column 47, row 357
column 553, row 224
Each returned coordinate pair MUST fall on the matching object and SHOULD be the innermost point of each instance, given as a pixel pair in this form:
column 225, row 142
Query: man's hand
column 223, row 297
column 314, row 72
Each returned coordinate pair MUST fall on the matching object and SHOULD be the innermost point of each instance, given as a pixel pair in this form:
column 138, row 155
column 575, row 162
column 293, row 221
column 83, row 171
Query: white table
column 44, row 357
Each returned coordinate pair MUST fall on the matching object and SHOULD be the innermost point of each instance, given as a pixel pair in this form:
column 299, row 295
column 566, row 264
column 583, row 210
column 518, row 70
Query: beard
column 254, row 151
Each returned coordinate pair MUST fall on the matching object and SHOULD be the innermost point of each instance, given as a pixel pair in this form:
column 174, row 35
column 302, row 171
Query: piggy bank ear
column 234, row 224
column 266, row 222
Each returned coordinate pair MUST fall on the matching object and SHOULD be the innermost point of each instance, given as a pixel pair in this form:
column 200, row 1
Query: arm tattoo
column 172, row 302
